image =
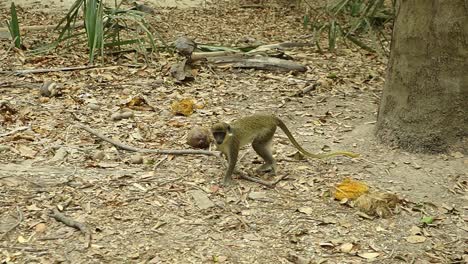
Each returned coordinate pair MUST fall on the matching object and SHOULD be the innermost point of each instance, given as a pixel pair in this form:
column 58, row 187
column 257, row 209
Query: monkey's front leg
column 232, row 160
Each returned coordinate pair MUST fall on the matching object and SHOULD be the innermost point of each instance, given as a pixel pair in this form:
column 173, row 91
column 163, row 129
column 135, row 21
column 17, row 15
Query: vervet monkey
column 259, row 130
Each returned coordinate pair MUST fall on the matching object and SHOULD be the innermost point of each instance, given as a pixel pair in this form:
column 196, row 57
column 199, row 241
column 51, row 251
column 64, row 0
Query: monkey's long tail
column 285, row 129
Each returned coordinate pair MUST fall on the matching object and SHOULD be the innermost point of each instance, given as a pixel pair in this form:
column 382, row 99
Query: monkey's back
column 255, row 126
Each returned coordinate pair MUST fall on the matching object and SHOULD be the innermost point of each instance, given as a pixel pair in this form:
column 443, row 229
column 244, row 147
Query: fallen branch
column 23, row 72
column 20, row 219
column 257, row 62
column 307, row 90
column 253, row 6
column 155, row 151
column 72, row 223
column 42, row 27
column 282, row 45
column 203, row 55
column 269, row 184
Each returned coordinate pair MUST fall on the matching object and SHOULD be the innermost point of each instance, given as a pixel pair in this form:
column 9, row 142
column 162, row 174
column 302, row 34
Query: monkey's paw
column 266, row 168
column 227, row 182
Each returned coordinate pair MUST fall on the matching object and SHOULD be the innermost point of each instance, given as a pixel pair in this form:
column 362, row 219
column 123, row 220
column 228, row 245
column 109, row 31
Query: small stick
column 143, row 150
column 23, row 72
column 8, row 51
column 42, row 27
column 257, row 180
column 280, row 179
column 72, row 223
column 18, row 129
column 20, row 219
column 159, row 162
column 260, row 181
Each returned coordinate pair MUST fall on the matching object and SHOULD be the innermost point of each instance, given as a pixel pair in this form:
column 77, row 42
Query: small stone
column 40, row 228
column 99, row 155
column 127, row 114
column 201, row 199
column 93, row 107
column 136, row 159
column 116, row 116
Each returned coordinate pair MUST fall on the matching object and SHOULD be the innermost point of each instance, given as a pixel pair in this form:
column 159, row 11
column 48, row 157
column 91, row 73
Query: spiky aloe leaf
column 13, row 26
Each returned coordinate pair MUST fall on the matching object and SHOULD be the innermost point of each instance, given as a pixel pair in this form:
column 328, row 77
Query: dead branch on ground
column 250, row 177
column 23, row 72
column 72, row 223
column 155, row 151
column 257, row 62
column 20, row 219
column 203, row 55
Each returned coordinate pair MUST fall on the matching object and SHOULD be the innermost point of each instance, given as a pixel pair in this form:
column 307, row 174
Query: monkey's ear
column 228, row 129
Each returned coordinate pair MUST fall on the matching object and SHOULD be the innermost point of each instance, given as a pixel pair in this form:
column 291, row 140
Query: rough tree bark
column 425, row 98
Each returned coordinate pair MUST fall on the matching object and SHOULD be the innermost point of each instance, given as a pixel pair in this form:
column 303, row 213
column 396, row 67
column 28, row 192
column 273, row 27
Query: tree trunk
column 425, row 98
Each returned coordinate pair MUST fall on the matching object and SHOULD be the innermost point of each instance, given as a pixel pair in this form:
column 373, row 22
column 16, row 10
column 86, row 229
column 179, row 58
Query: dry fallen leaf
column 306, row 210
column 414, row 230
column 26, row 151
column 22, row 240
column 259, row 196
column 183, row 107
column 346, row 247
column 201, row 199
column 138, row 102
column 369, row 255
column 457, row 155
column 381, row 204
column 33, row 207
column 350, row 189
column 415, row 239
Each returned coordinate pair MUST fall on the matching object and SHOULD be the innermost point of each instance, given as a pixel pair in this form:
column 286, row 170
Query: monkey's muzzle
column 219, row 137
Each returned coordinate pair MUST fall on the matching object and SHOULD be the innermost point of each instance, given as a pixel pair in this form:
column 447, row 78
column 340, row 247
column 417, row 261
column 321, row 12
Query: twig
column 269, row 184
column 8, row 51
column 144, row 150
column 159, row 162
column 307, row 89
column 42, row 27
column 22, row 72
column 203, row 55
column 27, row 249
column 18, row 129
column 20, row 219
column 280, row 179
column 253, row 6
column 72, row 223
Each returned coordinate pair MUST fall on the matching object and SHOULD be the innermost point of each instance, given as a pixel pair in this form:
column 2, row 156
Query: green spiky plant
column 350, row 19
column 94, row 26
column 13, row 26
column 105, row 27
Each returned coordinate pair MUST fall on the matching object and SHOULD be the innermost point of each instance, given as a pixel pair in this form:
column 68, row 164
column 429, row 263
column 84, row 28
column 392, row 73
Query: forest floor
column 173, row 209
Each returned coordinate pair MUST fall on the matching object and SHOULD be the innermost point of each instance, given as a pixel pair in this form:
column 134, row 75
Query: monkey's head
column 219, row 131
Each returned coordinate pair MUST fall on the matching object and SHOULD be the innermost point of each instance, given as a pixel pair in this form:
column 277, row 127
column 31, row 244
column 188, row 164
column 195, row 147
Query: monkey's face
column 220, row 130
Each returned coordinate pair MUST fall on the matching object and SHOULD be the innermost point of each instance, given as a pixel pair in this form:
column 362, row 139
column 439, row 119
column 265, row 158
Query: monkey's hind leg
column 262, row 148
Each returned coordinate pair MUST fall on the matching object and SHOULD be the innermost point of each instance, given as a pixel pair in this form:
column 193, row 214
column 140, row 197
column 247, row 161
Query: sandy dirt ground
column 173, row 209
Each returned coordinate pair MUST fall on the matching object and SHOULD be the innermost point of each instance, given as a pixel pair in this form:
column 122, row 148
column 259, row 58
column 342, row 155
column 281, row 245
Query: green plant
column 350, row 19
column 105, row 28
column 94, row 26
column 13, row 26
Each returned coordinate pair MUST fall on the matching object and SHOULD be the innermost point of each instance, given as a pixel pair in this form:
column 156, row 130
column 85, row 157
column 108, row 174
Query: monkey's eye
column 219, row 137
